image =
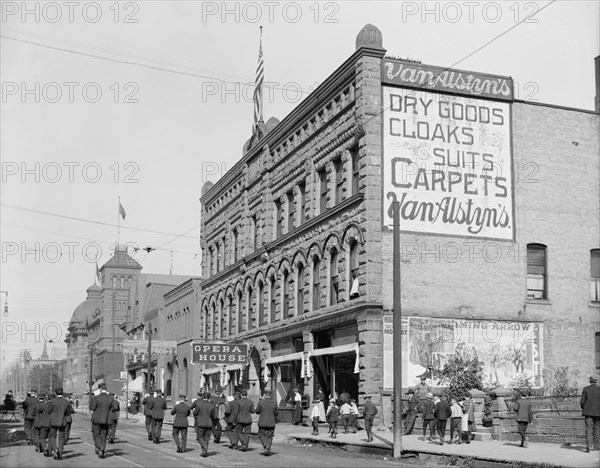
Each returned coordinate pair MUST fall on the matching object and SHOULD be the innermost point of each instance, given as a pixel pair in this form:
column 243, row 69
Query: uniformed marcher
column 231, row 412
column 204, row 414
column 101, row 406
column 267, row 409
column 158, row 405
column 60, row 408
column 148, row 413
column 180, row 424
column 29, row 415
column 115, row 409
column 244, row 420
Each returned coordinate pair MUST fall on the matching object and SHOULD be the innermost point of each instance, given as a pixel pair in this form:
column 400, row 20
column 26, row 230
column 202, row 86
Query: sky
column 148, row 100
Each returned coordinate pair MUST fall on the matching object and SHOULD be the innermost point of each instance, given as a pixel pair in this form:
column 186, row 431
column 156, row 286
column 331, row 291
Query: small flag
column 258, row 85
column 121, row 210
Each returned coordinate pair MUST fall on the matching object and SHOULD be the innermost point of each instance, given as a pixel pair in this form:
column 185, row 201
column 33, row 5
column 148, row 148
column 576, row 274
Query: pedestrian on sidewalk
column 297, row 407
column 219, row 401
column 414, row 407
column 427, row 407
column 456, row 414
column 590, row 409
column 267, row 409
column 204, row 414
column 69, row 421
column 43, row 423
column 231, row 413
column 314, row 415
column 158, row 405
column 353, row 415
column 468, row 422
column 115, row 409
column 36, row 417
column 321, row 399
column 442, row 412
column 369, row 412
column 29, row 406
column 244, row 420
column 180, row 424
column 60, row 408
column 524, row 416
column 101, row 406
column 345, row 411
column 332, row 417
column 146, row 402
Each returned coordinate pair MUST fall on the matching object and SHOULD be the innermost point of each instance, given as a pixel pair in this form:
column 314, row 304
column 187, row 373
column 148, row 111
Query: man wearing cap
column 427, row 408
column 414, row 406
column 60, row 408
column 101, row 418
column 148, row 413
column 231, row 413
column 244, row 420
column 158, row 405
column 115, row 409
column 524, row 417
column 369, row 412
column 267, row 409
column 204, row 414
column 590, row 406
column 422, row 389
column 180, row 424
column 29, row 415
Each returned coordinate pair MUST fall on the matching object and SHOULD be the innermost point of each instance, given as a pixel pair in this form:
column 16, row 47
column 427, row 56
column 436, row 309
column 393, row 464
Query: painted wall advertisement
column 505, row 348
column 447, row 160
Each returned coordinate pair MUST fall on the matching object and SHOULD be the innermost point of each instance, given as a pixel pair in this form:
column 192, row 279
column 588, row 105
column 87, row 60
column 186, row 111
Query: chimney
column 597, row 100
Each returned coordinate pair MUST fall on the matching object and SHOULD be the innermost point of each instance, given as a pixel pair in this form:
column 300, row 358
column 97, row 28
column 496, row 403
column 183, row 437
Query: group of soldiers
column 48, row 422
column 210, row 414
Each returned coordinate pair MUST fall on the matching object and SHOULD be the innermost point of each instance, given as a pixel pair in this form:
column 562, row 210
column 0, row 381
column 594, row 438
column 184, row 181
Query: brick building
column 297, row 239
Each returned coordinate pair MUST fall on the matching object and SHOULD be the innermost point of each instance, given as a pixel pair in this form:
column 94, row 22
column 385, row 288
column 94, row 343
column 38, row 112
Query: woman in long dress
column 297, row 407
column 321, row 397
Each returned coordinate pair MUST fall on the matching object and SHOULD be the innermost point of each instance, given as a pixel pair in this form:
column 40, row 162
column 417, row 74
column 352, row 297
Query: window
column 536, row 272
column 339, row 180
column 218, row 252
column 224, row 252
column 236, row 254
column 254, row 228
column 221, row 322
column 300, row 294
column 353, row 270
column 239, row 313
column 597, row 350
column 272, row 298
column 230, row 328
column 291, row 210
column 595, row 275
column 334, row 278
column 278, row 219
column 355, row 170
column 316, row 286
column 323, row 189
column 261, row 304
column 286, row 295
column 211, row 260
column 302, row 209
column 249, row 314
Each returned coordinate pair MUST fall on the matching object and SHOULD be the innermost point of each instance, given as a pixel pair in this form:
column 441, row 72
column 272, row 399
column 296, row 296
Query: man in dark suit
column 524, row 417
column 231, row 412
column 43, row 422
column 148, row 413
column 69, row 420
column 244, row 420
column 442, row 412
column 590, row 406
column 60, row 408
column 29, row 406
column 204, row 415
column 267, row 409
column 158, row 407
column 369, row 412
column 217, row 429
column 101, row 417
column 115, row 409
column 180, row 424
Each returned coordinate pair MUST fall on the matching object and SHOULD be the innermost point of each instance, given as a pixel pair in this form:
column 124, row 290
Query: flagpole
column 118, row 223
column 261, row 93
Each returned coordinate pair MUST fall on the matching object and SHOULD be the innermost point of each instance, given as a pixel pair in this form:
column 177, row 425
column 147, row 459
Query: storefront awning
column 342, row 349
column 136, row 385
column 286, row 358
column 235, row 367
column 213, row 370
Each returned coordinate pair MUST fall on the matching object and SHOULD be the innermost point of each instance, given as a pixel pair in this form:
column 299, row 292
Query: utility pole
column 90, row 381
column 397, row 335
column 114, row 293
column 149, row 357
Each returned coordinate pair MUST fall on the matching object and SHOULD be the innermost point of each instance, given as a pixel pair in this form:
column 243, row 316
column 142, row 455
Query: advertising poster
column 447, row 160
column 505, row 348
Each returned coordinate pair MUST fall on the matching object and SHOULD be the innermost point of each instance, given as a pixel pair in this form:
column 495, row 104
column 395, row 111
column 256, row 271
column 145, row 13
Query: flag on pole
column 258, row 85
column 121, row 210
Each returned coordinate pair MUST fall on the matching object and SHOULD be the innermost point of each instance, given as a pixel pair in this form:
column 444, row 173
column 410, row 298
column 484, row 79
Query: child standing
column 345, row 415
column 455, row 420
column 314, row 414
column 333, row 413
column 353, row 415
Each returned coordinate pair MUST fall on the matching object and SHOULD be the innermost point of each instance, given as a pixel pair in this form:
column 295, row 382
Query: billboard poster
column 505, row 348
column 447, row 160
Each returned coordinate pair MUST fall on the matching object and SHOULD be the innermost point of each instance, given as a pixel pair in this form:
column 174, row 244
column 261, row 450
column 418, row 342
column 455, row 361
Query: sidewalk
column 489, row 450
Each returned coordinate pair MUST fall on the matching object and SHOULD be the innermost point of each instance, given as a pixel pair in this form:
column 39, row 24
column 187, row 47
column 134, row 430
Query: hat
column 430, row 395
column 159, row 391
column 236, row 393
column 245, row 393
column 268, row 392
column 367, row 396
column 410, row 391
column 206, row 395
column 102, row 385
column 182, row 397
column 593, row 379
column 423, row 377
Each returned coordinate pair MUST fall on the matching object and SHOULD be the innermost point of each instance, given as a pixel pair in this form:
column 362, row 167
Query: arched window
column 272, row 296
column 537, row 278
column 286, row 295
column 334, row 279
column 316, row 284
column 249, row 309
column 261, row 303
column 239, row 312
column 221, row 319
column 300, row 292
column 204, row 322
column 353, row 277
